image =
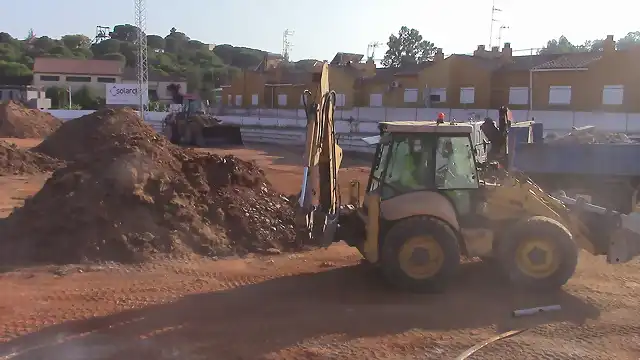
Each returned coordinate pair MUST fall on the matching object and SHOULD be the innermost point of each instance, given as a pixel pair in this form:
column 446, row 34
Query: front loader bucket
column 624, row 244
column 222, row 135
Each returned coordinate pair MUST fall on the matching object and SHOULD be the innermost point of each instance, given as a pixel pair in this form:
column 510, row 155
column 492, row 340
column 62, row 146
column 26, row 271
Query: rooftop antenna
column 494, row 10
column 371, row 49
column 102, row 33
column 286, row 44
column 142, row 69
column 502, row 27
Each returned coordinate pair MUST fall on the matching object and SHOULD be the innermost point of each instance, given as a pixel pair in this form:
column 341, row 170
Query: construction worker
column 440, row 119
column 408, row 177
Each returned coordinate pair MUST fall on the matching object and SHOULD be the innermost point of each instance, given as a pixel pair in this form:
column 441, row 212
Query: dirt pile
column 17, row 121
column 107, row 130
column 590, row 135
column 130, row 195
column 16, row 161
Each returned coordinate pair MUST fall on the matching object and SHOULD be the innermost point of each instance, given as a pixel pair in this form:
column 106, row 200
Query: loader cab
column 425, row 156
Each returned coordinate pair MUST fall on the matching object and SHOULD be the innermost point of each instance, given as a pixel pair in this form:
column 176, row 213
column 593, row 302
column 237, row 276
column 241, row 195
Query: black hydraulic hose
column 328, row 109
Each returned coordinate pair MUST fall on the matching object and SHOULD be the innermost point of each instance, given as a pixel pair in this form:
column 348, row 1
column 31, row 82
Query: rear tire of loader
column 538, row 254
column 420, row 254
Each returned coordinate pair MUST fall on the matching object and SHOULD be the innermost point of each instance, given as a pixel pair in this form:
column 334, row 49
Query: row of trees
column 173, row 54
column 409, row 47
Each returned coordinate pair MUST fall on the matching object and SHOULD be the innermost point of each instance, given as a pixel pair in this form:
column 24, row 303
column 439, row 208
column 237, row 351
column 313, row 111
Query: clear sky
column 323, row 28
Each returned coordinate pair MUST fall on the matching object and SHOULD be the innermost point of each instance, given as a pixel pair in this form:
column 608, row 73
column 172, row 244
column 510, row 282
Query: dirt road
column 315, row 305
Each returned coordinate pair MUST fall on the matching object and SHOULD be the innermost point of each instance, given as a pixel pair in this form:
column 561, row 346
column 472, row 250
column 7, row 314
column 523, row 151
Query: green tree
column 113, row 56
column 13, row 69
column 126, row 32
column 60, row 51
column 59, row 97
column 108, row 46
column 562, row 45
column 194, row 80
column 86, row 99
column 155, row 42
column 408, row 47
column 175, row 55
column 76, row 41
column 629, row 40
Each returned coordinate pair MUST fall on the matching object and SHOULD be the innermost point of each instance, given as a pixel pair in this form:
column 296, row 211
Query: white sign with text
column 123, row 94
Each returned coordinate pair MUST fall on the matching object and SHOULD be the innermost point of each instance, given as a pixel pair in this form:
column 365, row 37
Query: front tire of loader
column 420, row 254
column 538, row 254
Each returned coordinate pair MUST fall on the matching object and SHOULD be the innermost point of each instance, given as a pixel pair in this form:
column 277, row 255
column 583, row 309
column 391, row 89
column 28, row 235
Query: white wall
column 552, row 120
column 351, row 131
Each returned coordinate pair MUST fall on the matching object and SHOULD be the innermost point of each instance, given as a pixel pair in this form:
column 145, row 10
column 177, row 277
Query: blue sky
column 457, row 26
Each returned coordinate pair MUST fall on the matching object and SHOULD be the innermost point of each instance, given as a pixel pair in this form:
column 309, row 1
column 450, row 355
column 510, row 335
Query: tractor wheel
column 538, row 254
column 420, row 254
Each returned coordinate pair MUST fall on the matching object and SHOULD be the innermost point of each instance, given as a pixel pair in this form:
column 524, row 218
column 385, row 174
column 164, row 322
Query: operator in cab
column 412, row 165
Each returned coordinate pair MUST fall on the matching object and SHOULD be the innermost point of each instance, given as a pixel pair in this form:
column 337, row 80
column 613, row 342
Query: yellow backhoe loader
column 192, row 125
column 429, row 201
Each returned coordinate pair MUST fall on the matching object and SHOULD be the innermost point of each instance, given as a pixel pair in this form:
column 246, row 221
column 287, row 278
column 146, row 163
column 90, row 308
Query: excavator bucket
column 222, row 135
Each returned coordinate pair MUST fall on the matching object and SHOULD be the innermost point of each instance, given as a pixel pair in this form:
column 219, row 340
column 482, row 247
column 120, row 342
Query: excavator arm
column 317, row 214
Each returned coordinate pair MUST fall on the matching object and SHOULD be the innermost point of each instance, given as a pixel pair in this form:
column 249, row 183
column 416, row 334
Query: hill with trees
column 172, row 54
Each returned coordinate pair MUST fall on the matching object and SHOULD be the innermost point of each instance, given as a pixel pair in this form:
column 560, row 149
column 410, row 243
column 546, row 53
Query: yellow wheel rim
column 537, row 258
column 421, row 257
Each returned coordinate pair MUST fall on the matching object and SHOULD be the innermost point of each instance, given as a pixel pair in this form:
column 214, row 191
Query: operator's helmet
column 447, row 148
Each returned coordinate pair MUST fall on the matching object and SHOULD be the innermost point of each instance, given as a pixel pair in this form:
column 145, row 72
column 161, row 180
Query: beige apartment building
column 96, row 74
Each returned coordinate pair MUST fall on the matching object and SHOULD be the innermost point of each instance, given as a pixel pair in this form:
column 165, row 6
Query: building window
column 238, row 100
column 106, row 80
column 437, row 95
column 254, row 99
column 612, row 95
column 559, row 95
column 375, row 100
column 518, row 96
column 78, row 78
column 341, row 99
column 467, row 95
column 410, row 95
column 282, row 99
column 49, row 78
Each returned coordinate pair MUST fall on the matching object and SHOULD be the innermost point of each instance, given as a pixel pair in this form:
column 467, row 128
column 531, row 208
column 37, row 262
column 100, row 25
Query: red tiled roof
column 571, row 61
column 78, row 66
column 528, row 62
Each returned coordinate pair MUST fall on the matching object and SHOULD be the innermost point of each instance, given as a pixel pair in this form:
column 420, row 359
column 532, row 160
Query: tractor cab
column 419, row 156
column 191, row 105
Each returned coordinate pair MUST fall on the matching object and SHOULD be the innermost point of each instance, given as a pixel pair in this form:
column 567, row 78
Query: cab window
column 407, row 168
column 455, row 164
column 378, row 167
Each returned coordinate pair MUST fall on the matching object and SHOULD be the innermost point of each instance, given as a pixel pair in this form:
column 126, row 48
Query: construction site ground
column 320, row 304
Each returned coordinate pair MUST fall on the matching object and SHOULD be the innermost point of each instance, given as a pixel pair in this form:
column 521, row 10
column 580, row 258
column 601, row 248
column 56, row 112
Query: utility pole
column 494, row 10
column 286, row 44
column 142, row 68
